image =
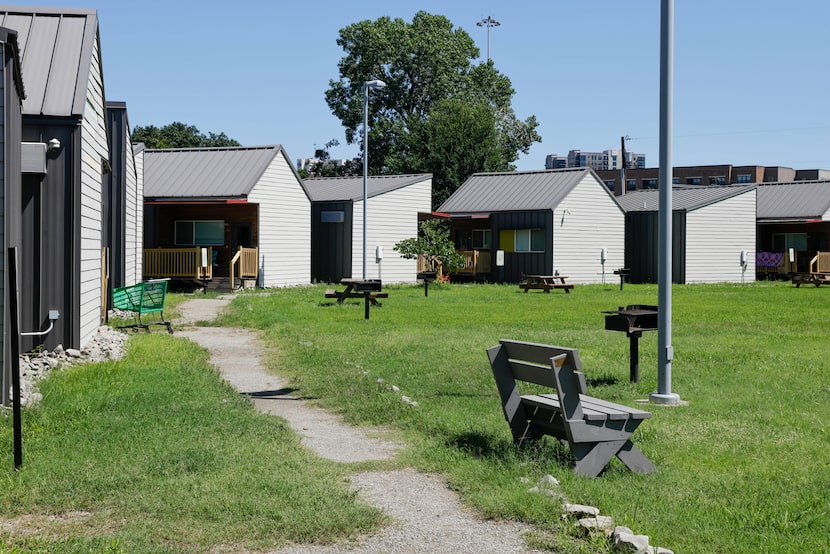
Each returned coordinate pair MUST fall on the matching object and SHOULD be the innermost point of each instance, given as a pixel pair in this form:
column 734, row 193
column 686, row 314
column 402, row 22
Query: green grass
column 163, row 456
column 742, row 468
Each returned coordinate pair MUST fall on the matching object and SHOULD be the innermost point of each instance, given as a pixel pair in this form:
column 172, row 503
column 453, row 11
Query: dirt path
column 428, row 516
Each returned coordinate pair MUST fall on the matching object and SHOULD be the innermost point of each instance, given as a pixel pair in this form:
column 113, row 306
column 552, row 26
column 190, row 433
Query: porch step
column 220, row 284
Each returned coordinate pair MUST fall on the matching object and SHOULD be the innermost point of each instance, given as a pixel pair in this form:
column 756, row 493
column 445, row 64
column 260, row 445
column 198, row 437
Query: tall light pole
column 488, row 22
column 375, row 83
column 665, row 350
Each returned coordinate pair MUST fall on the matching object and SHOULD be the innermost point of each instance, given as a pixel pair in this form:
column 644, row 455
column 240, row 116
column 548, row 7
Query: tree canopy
column 439, row 112
column 179, row 135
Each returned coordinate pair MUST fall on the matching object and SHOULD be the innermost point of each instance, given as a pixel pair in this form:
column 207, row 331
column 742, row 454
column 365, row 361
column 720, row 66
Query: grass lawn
column 165, row 457
column 742, row 468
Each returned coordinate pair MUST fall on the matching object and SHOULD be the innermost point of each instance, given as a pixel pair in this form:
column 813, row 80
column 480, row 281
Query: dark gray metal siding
column 49, row 264
column 331, row 243
column 114, row 198
column 519, row 264
column 11, row 183
column 641, row 246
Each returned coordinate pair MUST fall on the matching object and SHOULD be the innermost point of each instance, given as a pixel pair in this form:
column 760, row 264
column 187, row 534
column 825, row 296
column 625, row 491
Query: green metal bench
column 142, row 299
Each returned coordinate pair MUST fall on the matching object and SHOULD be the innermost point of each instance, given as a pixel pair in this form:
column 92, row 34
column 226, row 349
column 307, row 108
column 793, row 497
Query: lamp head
column 374, row 83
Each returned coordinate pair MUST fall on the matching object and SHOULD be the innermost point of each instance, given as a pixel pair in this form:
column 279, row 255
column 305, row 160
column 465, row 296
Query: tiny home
column 392, row 208
column 792, row 215
column 713, row 234
column 541, row 222
column 65, row 145
column 235, row 213
column 123, row 204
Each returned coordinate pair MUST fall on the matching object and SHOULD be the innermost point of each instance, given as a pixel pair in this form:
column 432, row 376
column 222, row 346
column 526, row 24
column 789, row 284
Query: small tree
column 434, row 244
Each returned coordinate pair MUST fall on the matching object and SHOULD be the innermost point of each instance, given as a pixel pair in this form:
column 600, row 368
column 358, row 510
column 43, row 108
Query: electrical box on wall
column 33, row 157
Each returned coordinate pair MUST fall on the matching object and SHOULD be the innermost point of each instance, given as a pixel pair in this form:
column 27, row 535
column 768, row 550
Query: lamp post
column 375, row 83
column 488, row 22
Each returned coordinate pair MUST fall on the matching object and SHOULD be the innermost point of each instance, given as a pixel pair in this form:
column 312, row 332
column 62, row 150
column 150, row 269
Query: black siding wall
column 115, row 197
column 641, row 243
column 331, row 243
column 519, row 264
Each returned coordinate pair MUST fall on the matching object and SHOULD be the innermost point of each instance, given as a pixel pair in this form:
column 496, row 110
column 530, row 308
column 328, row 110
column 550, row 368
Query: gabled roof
column 229, row 172
column 795, row 201
column 332, row 189
column 686, row 198
column 56, row 50
column 515, row 191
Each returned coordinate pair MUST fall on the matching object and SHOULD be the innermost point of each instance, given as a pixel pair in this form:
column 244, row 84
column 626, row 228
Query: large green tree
column 179, row 135
column 436, row 100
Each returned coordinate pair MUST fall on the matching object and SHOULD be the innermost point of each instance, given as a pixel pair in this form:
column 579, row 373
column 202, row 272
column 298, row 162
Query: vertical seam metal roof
column 56, row 47
column 683, row 198
column 515, row 191
column 799, row 200
column 206, row 172
column 332, row 189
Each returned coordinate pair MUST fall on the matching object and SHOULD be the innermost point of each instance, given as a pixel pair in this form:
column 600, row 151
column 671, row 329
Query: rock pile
column 107, row 344
column 588, row 520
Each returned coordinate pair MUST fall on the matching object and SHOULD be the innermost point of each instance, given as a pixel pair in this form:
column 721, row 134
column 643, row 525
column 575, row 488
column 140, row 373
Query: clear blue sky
column 751, row 76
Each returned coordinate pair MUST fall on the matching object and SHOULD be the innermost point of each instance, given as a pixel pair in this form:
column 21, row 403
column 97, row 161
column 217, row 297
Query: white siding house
column 284, row 225
column 392, row 208
column 254, row 193
column 718, row 224
column 65, row 105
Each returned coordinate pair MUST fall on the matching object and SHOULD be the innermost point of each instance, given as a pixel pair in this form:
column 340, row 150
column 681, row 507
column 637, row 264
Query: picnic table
column 545, row 283
column 367, row 289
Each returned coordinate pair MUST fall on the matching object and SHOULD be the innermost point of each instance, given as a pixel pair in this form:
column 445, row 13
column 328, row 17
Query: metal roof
column 794, row 201
column 686, row 198
column 229, row 172
column 56, row 51
column 515, row 191
column 332, row 189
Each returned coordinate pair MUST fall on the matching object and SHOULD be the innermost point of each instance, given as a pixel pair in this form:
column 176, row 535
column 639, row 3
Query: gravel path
column 428, row 515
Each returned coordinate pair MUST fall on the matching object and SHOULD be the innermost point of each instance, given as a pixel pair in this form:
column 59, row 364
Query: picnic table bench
column 546, row 283
column 358, row 288
column 142, row 299
column 819, row 271
column 595, row 430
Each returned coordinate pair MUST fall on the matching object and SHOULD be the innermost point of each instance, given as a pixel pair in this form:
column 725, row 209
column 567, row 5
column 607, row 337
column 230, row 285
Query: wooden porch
column 197, row 264
column 476, row 263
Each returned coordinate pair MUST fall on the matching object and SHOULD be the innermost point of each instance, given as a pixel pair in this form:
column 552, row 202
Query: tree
column 432, row 243
column 179, row 135
column 428, row 68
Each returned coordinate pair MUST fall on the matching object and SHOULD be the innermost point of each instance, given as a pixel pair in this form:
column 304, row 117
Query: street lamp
column 488, row 22
column 375, row 83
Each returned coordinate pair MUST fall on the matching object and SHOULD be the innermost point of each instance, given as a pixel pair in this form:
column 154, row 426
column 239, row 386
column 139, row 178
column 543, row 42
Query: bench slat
column 539, row 353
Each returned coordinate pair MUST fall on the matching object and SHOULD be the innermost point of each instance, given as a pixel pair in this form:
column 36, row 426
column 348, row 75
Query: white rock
column 628, row 543
column 580, row 510
column 73, row 352
column 601, row 523
column 548, row 481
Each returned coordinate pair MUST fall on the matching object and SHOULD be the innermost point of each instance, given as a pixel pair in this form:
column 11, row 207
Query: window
column 631, row 184
column 781, row 242
column 332, row 217
column 693, row 180
column 717, row 180
column 610, row 185
column 675, row 180
column 482, row 239
column 650, row 183
column 200, row 233
column 744, row 178
column 530, row 240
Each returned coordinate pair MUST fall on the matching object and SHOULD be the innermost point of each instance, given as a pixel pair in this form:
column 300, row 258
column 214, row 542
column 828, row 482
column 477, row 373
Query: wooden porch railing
column 424, row 265
column 476, row 261
column 820, row 264
column 247, row 262
column 185, row 263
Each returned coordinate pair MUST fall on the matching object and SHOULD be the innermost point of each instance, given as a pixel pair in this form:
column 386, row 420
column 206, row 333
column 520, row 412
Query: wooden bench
column 595, row 430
